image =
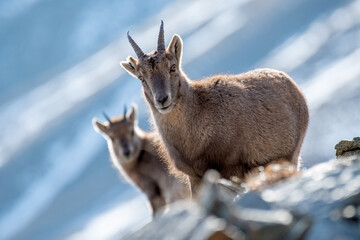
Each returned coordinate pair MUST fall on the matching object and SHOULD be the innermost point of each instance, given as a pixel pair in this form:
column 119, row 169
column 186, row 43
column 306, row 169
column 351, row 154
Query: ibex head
column 120, row 135
column 159, row 71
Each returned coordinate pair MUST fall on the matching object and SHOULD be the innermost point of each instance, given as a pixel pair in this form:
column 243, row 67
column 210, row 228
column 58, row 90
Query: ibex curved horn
column 107, row 117
column 139, row 53
column 161, row 40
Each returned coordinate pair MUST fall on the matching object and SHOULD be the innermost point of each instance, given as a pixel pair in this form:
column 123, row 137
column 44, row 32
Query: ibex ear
column 133, row 113
column 175, row 47
column 100, row 127
column 130, row 65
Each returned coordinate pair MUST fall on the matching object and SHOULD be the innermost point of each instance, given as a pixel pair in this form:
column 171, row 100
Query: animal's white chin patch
column 164, row 110
column 127, row 159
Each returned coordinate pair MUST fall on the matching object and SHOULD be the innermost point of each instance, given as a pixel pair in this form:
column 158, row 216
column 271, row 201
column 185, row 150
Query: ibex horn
column 161, row 40
column 125, row 110
column 107, row 117
column 137, row 49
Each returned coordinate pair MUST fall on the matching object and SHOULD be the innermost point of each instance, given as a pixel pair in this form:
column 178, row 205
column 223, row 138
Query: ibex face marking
column 121, row 137
column 160, row 84
column 159, row 71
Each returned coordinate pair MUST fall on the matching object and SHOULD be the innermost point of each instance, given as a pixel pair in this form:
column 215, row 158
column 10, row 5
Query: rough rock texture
column 347, row 148
column 321, row 203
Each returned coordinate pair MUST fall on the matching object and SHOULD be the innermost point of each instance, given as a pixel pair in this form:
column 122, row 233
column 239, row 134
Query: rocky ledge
column 322, row 202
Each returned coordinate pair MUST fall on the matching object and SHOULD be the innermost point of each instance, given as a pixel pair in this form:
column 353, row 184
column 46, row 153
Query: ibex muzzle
column 158, row 71
column 161, row 93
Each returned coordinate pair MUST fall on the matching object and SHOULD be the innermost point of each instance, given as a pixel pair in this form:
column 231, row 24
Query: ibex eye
column 141, row 78
column 173, row 68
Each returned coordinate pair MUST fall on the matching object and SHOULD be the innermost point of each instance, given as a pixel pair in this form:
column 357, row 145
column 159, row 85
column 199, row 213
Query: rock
column 185, row 220
column 322, row 194
column 252, row 216
column 321, row 203
column 347, row 148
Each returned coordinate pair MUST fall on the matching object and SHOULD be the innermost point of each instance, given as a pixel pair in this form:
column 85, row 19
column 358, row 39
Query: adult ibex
column 133, row 152
column 231, row 123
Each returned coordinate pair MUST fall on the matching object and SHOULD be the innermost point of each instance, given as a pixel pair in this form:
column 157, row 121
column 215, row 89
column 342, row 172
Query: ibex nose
column 126, row 152
column 162, row 100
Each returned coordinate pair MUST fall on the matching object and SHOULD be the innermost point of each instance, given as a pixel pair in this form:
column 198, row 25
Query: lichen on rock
column 347, row 148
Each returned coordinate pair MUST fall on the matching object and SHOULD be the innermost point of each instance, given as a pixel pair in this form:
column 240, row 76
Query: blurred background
column 59, row 68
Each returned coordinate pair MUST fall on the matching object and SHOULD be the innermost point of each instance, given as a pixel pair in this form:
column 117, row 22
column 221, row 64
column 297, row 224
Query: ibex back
column 133, row 152
column 230, row 123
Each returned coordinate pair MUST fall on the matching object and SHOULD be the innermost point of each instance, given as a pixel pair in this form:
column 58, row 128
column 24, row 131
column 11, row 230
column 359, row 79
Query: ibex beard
column 231, row 123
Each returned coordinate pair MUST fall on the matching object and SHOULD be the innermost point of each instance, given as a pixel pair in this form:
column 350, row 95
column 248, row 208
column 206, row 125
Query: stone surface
column 321, row 203
column 322, row 194
column 185, row 220
column 347, row 148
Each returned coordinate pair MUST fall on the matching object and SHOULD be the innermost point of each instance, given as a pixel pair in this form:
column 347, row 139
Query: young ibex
column 231, row 123
column 133, row 153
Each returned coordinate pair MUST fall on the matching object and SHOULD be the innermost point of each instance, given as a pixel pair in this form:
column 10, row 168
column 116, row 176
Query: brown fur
column 231, row 123
column 134, row 154
column 272, row 173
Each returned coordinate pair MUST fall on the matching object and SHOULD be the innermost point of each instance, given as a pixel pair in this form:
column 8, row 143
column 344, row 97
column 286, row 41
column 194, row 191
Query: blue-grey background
column 59, row 68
